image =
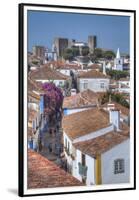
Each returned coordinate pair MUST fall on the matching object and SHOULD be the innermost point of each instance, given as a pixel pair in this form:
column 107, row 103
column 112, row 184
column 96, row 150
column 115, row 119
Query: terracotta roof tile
column 102, row 143
column 43, row 173
column 122, row 109
column 85, row 122
column 85, row 98
column 94, row 66
column 33, row 85
column 46, row 73
column 92, row 74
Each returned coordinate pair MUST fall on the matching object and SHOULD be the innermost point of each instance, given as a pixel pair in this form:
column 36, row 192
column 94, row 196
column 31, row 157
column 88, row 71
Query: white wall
column 56, row 82
column 64, row 71
column 124, row 90
column 76, row 169
column 125, row 82
column 107, row 161
column 94, row 84
column 90, row 163
column 71, row 111
column 33, row 106
column 65, row 137
column 94, row 134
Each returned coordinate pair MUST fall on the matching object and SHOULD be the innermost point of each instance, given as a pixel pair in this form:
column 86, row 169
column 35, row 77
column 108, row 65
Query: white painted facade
column 90, row 162
column 108, row 175
column 64, row 71
column 69, row 111
column 124, row 86
column 94, row 84
column 33, row 106
column 124, row 90
column 125, row 82
column 121, row 151
column 56, row 82
column 94, row 134
column 107, row 165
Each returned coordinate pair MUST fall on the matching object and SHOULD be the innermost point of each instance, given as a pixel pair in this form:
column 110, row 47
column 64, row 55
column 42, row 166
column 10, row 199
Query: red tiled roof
column 101, row 144
column 43, row 173
column 94, row 66
column 92, row 74
column 32, row 85
column 64, row 65
column 85, row 98
column 46, row 73
column 78, row 124
column 118, row 106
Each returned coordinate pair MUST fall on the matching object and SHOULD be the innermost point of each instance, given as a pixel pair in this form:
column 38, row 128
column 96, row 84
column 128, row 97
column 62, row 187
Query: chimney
column 110, row 105
column 115, row 118
column 51, row 66
column 104, row 67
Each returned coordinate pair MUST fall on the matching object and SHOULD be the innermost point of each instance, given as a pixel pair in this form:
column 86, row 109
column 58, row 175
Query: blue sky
column 111, row 31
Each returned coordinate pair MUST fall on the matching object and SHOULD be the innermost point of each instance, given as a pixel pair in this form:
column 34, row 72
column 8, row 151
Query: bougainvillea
column 53, row 97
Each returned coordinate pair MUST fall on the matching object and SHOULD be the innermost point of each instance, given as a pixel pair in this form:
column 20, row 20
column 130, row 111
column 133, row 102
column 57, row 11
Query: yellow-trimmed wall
column 98, row 170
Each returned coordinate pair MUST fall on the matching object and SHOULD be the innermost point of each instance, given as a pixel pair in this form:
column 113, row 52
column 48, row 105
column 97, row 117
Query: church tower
column 118, row 62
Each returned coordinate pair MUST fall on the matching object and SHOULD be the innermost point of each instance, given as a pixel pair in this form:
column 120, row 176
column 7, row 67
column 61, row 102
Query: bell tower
column 118, row 62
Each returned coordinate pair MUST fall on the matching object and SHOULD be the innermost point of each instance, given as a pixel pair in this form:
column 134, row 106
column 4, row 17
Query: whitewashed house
column 67, row 68
column 97, row 147
column 124, row 85
column 33, row 129
column 113, row 86
column 79, row 102
column 93, row 80
column 46, row 74
column 36, row 121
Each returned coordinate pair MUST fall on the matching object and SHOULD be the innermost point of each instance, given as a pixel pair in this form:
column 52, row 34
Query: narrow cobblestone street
column 51, row 140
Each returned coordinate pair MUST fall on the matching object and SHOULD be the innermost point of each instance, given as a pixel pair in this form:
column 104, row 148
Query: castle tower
column 54, row 52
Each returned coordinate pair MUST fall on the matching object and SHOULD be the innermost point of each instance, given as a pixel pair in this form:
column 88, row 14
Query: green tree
column 96, row 55
column 75, row 51
column 116, row 74
column 109, row 55
column 98, row 52
column 85, row 51
column 35, row 62
column 68, row 54
column 119, row 98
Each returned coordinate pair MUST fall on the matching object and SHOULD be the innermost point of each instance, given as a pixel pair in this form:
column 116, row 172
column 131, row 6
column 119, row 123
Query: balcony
column 82, row 170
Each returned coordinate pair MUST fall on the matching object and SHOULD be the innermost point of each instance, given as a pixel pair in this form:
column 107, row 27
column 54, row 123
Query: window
column 68, row 148
column 83, row 159
column 66, row 142
column 85, row 84
column 60, row 83
column 119, row 166
column 102, row 85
